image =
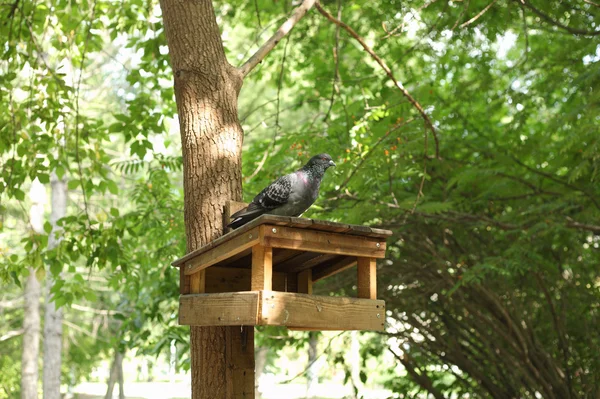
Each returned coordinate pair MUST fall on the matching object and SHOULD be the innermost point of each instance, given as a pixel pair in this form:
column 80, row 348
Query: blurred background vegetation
column 492, row 281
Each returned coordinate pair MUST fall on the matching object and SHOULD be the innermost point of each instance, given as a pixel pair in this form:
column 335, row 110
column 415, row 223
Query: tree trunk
column 53, row 317
column 31, row 319
column 120, row 357
column 206, row 91
column 115, row 376
column 260, row 365
column 354, row 361
column 312, row 375
column 31, row 338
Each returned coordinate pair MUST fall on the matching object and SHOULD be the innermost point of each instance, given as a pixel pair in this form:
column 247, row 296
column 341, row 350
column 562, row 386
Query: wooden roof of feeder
column 262, row 274
column 298, row 244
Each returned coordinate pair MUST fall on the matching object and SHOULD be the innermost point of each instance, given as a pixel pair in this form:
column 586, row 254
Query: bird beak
column 331, row 163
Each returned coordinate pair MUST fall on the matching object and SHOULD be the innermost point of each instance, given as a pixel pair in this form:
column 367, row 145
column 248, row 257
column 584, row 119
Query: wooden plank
column 305, row 282
column 297, row 263
column 380, row 232
column 320, row 312
column 302, row 223
column 282, row 254
column 198, row 282
column 222, row 251
column 320, row 260
column 244, row 230
column 324, row 242
column 239, row 342
column 227, row 279
column 262, row 268
column 221, row 309
column 367, row 278
column 291, row 282
column 184, row 282
column 312, row 224
column 335, row 227
column 240, row 358
column 237, row 260
column 339, row 264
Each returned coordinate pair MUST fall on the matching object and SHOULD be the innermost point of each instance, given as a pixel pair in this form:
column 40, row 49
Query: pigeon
column 289, row 195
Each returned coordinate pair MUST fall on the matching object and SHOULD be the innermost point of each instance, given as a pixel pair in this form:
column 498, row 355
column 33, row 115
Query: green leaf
column 15, row 278
column 60, row 171
column 119, row 316
column 56, row 268
column 59, row 300
column 48, row 227
column 19, row 194
column 112, row 187
column 43, row 178
column 90, row 295
column 73, row 184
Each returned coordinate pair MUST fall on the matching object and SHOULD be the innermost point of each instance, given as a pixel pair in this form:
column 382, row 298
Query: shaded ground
column 181, row 390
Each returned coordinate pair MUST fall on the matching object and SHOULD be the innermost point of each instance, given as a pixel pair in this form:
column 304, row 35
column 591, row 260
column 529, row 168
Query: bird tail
column 244, row 216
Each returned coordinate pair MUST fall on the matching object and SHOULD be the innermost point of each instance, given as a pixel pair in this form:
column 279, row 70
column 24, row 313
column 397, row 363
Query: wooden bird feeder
column 262, row 274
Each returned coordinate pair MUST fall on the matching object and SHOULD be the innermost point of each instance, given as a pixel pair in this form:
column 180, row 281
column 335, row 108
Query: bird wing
column 276, row 194
column 273, row 196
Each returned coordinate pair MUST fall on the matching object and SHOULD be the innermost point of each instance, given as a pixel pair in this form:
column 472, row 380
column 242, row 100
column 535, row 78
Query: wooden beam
column 322, row 242
column 297, row 263
column 298, row 311
column 222, row 309
column 305, row 282
column 367, row 278
column 281, row 255
column 262, row 268
column 240, row 357
column 238, row 260
column 184, row 282
column 320, row 312
column 222, row 251
column 299, row 223
column 198, row 282
column 227, row 279
column 329, row 269
column 291, row 282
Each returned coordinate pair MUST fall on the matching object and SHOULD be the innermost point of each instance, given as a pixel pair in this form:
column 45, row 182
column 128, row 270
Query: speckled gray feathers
column 289, row 195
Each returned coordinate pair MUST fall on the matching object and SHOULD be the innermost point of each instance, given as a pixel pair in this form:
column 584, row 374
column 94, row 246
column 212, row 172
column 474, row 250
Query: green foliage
column 492, row 269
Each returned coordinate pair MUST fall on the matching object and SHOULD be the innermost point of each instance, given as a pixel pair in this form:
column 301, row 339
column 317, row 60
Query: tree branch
column 11, row 334
column 283, row 30
column 548, row 19
column 420, row 378
column 336, row 61
column 363, row 159
column 582, row 226
column 387, row 70
column 479, row 14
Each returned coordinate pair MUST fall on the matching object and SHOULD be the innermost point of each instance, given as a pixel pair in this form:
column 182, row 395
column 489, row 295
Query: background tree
column 491, row 280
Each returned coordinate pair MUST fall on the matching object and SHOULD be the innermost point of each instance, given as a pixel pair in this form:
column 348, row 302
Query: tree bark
column 120, row 357
column 260, row 365
column 115, row 376
column 53, row 317
column 312, row 375
column 31, row 338
column 355, row 362
column 112, row 379
column 31, row 319
column 206, row 92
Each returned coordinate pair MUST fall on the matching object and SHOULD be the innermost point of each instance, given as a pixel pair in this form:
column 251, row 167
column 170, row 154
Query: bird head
column 320, row 161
